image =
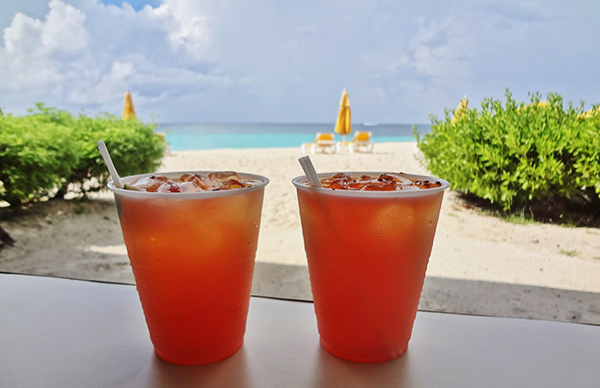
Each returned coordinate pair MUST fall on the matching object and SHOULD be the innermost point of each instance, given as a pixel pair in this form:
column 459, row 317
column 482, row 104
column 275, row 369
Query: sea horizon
column 205, row 136
column 365, row 123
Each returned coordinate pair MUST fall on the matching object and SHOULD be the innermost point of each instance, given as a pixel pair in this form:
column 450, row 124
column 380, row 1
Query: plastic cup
column 192, row 256
column 367, row 254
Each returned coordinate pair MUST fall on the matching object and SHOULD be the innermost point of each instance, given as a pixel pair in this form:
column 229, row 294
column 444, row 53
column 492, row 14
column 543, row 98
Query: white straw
column 109, row 163
column 310, row 172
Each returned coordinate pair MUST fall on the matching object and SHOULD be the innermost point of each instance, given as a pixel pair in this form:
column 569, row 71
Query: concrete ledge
column 281, row 281
column 509, row 300
column 455, row 296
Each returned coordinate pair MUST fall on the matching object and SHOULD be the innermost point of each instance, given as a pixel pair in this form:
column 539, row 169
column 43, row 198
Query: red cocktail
column 368, row 238
column 191, row 239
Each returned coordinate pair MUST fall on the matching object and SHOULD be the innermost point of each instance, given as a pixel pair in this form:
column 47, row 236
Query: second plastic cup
column 192, row 256
column 367, row 255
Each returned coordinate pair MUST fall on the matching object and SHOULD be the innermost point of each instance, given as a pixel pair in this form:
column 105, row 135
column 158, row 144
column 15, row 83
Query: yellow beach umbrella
column 540, row 104
column 128, row 111
column 590, row 113
column 462, row 108
column 343, row 125
column 543, row 104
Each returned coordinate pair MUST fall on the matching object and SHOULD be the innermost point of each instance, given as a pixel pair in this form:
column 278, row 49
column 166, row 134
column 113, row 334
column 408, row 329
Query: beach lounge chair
column 360, row 141
column 324, row 142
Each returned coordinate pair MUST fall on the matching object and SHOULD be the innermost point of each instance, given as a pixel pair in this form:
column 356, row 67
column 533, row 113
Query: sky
column 268, row 61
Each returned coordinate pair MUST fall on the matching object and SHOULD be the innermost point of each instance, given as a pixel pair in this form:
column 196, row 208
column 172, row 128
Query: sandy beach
column 479, row 264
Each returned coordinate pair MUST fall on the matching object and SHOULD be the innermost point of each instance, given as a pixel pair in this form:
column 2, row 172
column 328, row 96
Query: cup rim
column 195, row 195
column 300, row 185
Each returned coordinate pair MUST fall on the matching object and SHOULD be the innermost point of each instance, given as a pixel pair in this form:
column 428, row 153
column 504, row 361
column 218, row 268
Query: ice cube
column 231, row 184
column 224, row 175
column 203, row 182
column 190, row 187
column 380, row 186
column 339, row 184
column 326, row 182
column 186, row 178
column 426, row 184
column 169, row 187
column 147, row 184
column 341, row 175
column 402, row 182
column 357, row 185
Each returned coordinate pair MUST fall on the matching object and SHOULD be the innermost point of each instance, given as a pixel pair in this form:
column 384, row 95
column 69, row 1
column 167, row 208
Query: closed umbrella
column 462, row 108
column 128, row 111
column 592, row 112
column 343, row 125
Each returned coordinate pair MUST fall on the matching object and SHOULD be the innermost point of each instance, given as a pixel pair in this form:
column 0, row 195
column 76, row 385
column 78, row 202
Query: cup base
column 365, row 357
column 197, row 360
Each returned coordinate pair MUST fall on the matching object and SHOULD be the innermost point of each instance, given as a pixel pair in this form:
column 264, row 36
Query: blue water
column 184, row 137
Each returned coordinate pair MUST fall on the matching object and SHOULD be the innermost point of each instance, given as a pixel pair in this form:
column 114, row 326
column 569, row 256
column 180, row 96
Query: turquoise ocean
column 185, row 137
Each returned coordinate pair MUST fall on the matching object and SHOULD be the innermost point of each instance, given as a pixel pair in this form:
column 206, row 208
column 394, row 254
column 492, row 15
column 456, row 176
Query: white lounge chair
column 361, row 142
column 324, row 142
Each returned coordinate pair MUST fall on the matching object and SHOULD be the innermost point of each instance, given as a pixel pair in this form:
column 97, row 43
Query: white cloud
column 87, row 57
column 64, row 30
column 441, row 49
column 428, row 61
column 118, row 75
column 35, row 50
column 23, row 35
column 190, row 31
column 288, row 61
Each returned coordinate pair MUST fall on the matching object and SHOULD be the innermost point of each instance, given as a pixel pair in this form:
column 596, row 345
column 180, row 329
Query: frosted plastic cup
column 192, row 256
column 367, row 254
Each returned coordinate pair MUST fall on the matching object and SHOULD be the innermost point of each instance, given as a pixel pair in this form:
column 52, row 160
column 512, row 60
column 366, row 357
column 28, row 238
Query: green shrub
column 134, row 148
column 515, row 154
column 586, row 156
column 51, row 151
column 35, row 157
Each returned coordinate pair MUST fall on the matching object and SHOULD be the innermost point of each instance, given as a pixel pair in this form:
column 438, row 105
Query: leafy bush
column 51, row 151
column 134, row 148
column 35, row 157
column 515, row 154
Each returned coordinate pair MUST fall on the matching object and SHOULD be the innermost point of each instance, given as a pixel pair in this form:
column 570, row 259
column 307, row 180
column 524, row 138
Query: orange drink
column 368, row 237
column 191, row 240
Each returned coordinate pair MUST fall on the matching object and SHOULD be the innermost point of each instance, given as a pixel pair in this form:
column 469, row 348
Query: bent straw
column 310, row 172
column 109, row 163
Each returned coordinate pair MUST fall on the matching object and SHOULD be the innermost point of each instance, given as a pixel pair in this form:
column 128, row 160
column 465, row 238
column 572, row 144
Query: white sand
column 468, row 245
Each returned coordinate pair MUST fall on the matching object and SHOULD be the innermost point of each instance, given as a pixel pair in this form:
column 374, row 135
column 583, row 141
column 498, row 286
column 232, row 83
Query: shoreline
column 211, row 136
